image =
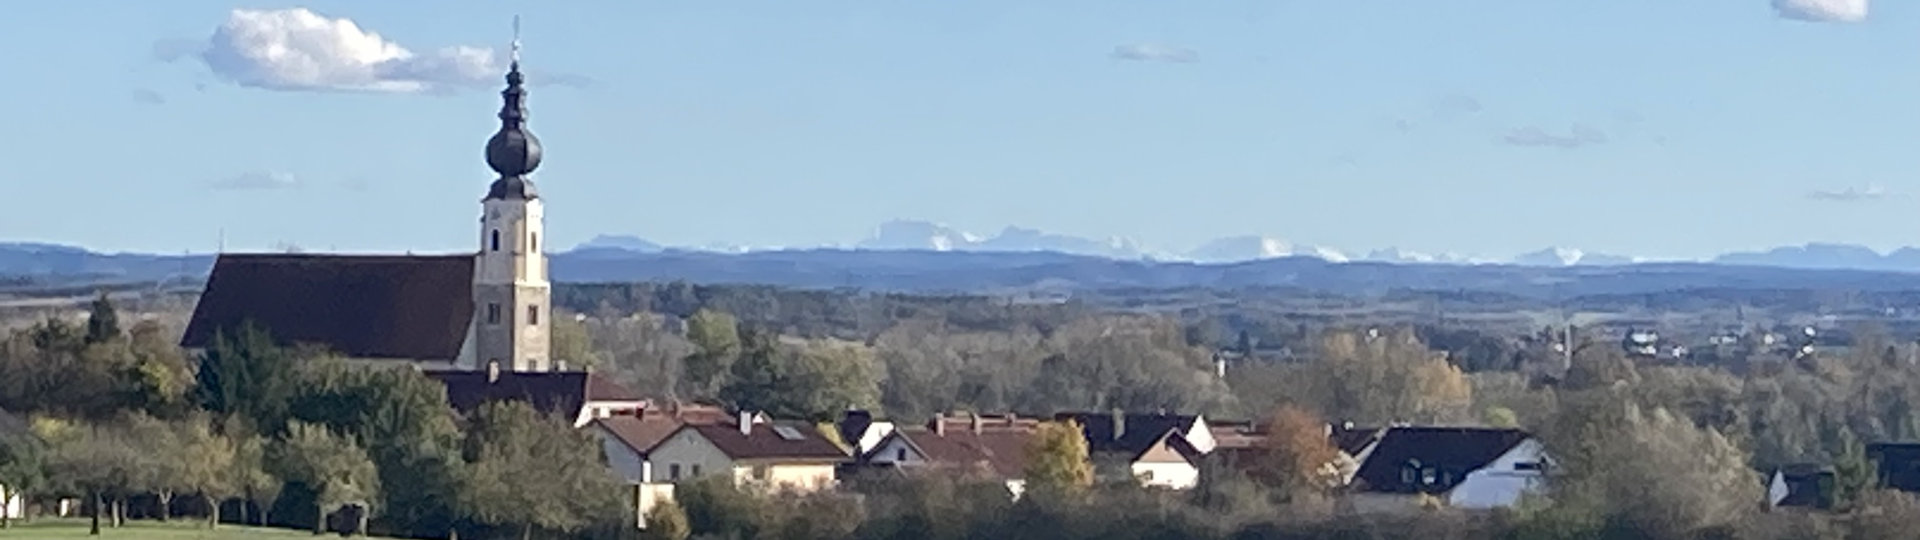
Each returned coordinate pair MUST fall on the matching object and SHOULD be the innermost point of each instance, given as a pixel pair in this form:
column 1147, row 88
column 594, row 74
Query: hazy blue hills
column 42, row 265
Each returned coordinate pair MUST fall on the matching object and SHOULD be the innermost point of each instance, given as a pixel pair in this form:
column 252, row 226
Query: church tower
column 511, row 295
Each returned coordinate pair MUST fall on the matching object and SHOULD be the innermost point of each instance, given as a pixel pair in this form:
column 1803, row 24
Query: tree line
column 250, row 432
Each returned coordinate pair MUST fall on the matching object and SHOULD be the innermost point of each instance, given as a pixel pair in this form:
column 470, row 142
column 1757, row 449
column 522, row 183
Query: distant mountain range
column 925, row 257
column 909, row 235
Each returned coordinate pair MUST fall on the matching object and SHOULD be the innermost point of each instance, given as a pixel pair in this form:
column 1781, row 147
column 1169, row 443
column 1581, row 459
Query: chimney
column 493, row 371
column 1119, row 423
column 1013, row 420
column 975, row 418
column 746, row 422
column 560, row 365
column 939, row 426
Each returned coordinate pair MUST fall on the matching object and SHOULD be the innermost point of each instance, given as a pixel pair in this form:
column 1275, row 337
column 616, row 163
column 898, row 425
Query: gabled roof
column 361, row 306
column 1002, row 452
column 1804, row 484
column 639, row 433
column 1353, row 440
column 551, row 392
column 1138, row 432
column 1451, row 452
column 764, row 442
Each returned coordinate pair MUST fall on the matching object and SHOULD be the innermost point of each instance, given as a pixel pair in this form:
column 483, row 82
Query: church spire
column 513, row 151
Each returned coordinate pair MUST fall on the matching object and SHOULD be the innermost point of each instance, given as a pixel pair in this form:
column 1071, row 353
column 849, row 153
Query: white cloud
column 299, row 50
column 1822, row 10
column 1155, row 52
column 1580, row 135
column 1850, row 194
column 257, row 181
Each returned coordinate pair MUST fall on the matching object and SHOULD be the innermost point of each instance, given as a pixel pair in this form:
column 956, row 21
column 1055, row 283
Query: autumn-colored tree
column 1297, row 458
column 1057, row 460
column 667, row 521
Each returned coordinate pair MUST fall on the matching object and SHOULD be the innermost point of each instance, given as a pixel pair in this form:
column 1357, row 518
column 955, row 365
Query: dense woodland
column 250, row 432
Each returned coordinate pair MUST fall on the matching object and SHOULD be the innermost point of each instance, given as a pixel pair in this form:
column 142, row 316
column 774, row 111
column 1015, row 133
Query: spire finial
column 514, row 55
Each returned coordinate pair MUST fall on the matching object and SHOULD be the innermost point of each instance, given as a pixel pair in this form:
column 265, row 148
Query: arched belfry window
column 494, row 242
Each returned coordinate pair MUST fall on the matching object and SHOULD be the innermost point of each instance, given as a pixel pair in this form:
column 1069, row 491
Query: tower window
column 494, row 242
column 493, row 313
column 535, row 241
column 533, row 315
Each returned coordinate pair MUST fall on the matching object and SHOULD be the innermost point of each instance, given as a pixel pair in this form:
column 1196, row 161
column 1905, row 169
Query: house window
column 1526, row 466
column 493, row 313
column 673, row 471
column 760, row 472
column 533, row 315
column 494, row 242
column 899, row 454
column 696, row 470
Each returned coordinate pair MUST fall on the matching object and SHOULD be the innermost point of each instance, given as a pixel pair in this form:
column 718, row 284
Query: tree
column 1057, row 460
column 22, row 465
column 410, row 434
column 245, row 373
column 667, row 521
column 572, row 344
column 1853, row 472
column 92, row 460
column 333, row 466
column 1652, row 474
column 207, row 461
column 1296, row 459
column 103, row 321
column 527, row 471
column 250, row 474
column 716, row 338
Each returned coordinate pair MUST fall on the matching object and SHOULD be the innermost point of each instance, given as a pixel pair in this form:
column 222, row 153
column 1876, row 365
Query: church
column 452, row 316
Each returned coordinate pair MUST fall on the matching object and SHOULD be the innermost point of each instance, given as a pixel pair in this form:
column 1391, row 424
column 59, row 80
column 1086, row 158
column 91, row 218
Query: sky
column 1485, row 127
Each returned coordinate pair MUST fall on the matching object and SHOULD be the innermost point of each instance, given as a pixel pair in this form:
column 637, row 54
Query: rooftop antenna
column 222, row 247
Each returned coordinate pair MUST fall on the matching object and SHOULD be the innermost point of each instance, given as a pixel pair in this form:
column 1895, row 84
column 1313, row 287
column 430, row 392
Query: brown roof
column 766, row 443
column 364, row 306
column 640, row 433
column 1002, row 451
column 551, row 392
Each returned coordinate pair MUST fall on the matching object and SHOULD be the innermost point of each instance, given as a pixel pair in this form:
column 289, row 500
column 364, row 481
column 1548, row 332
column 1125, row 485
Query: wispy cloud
column 1155, row 52
column 1580, row 135
column 1822, row 10
column 1849, row 194
column 148, row 96
column 257, row 181
column 297, row 49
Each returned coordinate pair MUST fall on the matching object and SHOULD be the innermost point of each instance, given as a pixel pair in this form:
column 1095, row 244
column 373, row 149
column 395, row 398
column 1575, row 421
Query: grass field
column 178, row 530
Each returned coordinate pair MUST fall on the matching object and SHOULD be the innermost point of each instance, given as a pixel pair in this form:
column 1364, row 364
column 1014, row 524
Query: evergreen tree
column 245, row 373
column 1853, row 473
column 103, row 321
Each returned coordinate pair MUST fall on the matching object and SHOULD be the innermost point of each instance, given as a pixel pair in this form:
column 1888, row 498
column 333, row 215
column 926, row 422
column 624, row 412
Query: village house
column 1154, row 449
column 752, row 453
column 627, row 439
column 1800, row 485
column 861, row 432
column 1460, row 467
column 986, row 448
column 1897, row 465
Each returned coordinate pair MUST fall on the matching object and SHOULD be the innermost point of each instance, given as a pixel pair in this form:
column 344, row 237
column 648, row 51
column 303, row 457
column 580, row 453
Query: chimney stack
column 493, row 371
column 975, row 418
column 1119, row 423
column 939, row 426
column 746, row 422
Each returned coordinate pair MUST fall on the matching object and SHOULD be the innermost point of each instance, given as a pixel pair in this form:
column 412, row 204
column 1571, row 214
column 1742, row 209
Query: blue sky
column 1648, row 127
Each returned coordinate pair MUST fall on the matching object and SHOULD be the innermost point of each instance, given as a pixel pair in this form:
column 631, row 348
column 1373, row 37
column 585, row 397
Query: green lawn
column 188, row 529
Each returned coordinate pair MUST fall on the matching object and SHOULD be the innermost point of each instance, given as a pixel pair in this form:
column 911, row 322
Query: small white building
column 1461, row 467
column 1155, row 449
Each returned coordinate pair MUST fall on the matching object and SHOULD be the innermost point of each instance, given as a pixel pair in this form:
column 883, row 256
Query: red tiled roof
column 1001, row 451
column 363, row 306
column 765, row 443
column 638, row 433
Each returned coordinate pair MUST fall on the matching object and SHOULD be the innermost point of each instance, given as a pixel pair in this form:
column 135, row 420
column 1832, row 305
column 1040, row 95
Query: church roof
column 361, row 306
